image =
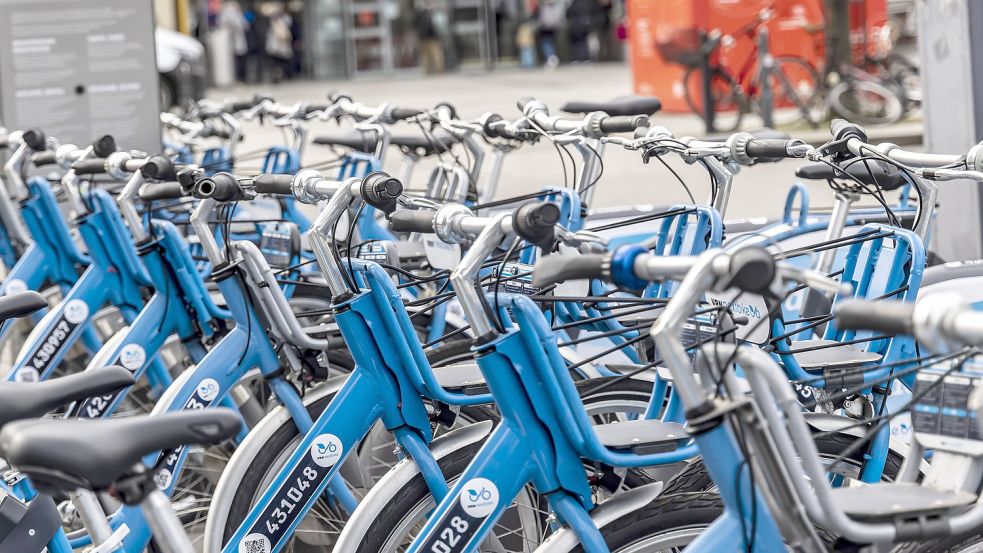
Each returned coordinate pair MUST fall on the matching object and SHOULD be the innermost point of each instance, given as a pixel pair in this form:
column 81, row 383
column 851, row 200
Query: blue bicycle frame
column 115, row 275
column 390, row 378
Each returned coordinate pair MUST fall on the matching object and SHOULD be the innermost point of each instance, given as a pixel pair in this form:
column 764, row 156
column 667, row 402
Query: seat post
column 92, row 514
column 169, row 533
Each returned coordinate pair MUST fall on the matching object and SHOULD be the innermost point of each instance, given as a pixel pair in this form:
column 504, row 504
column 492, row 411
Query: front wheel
column 389, row 520
column 865, row 102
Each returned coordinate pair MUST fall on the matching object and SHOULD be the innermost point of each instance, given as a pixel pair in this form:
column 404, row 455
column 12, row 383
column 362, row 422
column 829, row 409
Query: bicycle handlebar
column 171, row 190
column 91, row 166
column 274, row 184
column 891, row 317
column 418, row 220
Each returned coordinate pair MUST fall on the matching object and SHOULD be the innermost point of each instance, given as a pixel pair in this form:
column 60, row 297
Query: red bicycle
column 795, row 83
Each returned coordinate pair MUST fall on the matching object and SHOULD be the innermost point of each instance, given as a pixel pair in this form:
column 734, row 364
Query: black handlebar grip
column 553, row 269
column 41, row 159
column 171, row 190
column 91, row 166
column 535, row 222
column 34, row 138
column 407, row 220
column 623, row 123
column 239, row 105
column 274, row 184
column 398, row 114
column 752, row 269
column 158, row 167
column 104, row 146
column 768, row 148
column 311, row 108
column 381, row 191
column 221, row 187
column 841, row 129
column 890, row 317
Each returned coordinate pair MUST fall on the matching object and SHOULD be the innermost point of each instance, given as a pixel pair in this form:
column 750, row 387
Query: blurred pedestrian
column 525, row 41
column 234, row 22
column 280, row 43
column 259, row 24
column 581, row 19
column 549, row 18
column 431, row 47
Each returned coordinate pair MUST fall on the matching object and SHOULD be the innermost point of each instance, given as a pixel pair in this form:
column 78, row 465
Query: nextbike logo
column 326, row 450
column 208, row 389
column 132, row 356
column 15, row 286
column 76, row 311
column 479, row 497
column 750, row 311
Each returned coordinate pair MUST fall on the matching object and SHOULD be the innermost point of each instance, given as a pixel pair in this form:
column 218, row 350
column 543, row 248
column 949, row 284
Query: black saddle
column 367, row 142
column 31, row 400
column 64, row 455
column 858, row 170
column 622, row 105
column 20, row 304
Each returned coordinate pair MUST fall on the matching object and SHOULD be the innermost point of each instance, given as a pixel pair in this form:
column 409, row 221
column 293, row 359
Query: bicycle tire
column 730, row 105
column 849, row 98
column 799, row 84
column 391, row 514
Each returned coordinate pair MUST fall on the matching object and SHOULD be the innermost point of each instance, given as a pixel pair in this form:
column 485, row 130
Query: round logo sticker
column 208, row 389
column 163, row 479
column 15, row 286
column 132, row 356
column 255, row 543
column 76, row 311
column 27, row 374
column 479, row 497
column 326, row 450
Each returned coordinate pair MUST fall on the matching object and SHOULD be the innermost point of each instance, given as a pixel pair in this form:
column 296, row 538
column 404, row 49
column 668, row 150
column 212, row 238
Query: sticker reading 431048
column 457, row 528
column 293, row 495
column 55, row 340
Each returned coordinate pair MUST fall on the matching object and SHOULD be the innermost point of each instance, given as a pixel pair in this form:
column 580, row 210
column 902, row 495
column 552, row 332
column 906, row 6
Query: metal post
column 952, row 81
column 706, row 71
column 766, row 65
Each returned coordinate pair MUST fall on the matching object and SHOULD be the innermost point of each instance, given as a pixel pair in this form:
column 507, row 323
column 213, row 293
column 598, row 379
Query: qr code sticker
column 255, row 543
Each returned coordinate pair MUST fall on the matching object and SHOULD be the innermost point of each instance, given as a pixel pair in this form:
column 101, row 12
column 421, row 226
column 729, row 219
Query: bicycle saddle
column 622, row 105
column 20, row 304
column 64, row 455
column 821, row 171
column 367, row 142
column 28, row 400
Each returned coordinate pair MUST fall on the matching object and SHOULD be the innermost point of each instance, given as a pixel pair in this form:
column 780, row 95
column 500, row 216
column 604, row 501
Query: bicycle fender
column 831, row 423
column 242, row 460
column 605, row 513
column 399, row 476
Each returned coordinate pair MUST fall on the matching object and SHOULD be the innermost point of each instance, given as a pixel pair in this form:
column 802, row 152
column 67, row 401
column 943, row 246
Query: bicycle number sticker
column 131, row 357
column 205, row 393
column 54, row 341
column 460, row 524
column 295, row 492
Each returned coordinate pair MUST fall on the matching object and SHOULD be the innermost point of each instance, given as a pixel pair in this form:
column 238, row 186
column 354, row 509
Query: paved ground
column 626, row 180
